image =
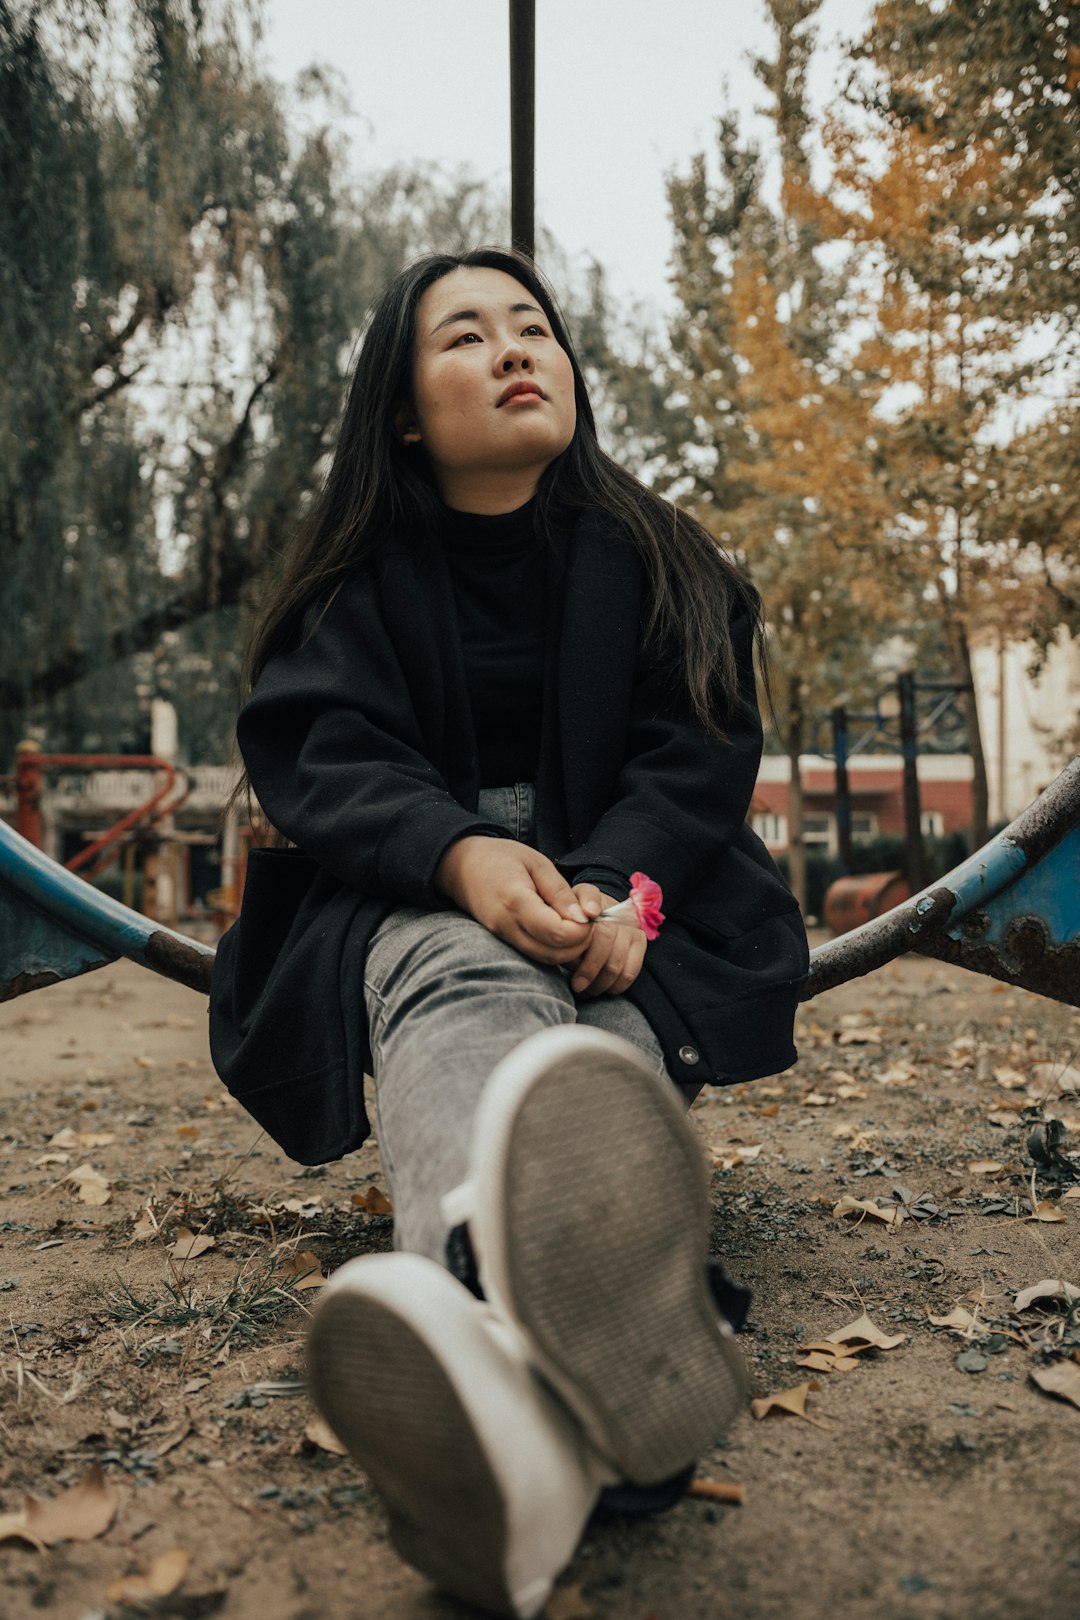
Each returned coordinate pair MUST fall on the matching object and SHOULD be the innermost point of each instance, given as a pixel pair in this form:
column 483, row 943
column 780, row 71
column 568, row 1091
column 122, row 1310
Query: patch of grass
column 252, row 1301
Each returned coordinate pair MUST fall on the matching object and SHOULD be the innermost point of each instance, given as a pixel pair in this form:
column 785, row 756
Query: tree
column 953, row 343
column 783, row 468
column 181, row 281
column 1002, row 75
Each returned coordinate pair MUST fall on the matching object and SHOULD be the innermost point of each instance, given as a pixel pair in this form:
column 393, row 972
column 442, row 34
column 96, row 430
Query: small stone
column 971, row 1361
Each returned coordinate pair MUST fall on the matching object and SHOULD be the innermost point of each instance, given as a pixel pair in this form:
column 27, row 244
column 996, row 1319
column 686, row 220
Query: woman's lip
column 529, row 392
column 520, row 399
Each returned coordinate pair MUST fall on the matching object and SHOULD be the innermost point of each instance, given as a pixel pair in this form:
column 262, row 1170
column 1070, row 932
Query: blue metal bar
column 1011, row 910
column 47, row 910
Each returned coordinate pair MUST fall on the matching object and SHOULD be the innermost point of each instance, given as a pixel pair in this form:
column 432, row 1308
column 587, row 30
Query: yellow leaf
column 319, row 1432
column 303, row 1271
column 1049, row 1288
column 191, row 1132
column 568, row 1603
column 819, row 1358
column 716, row 1490
column 373, row 1201
column 163, row 1577
column 187, row 1246
column 93, row 1186
column 863, row 1331
column 1046, row 1212
column 957, row 1318
column 1010, row 1079
column 1061, row 1378
column 788, row 1400
column 67, row 1138
column 81, row 1513
column 866, row 1206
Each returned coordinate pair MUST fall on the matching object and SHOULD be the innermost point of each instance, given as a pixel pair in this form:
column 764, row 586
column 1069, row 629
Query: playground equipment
column 1011, row 910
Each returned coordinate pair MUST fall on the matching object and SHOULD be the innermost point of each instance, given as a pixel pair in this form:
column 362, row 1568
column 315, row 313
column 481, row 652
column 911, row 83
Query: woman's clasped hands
column 519, row 895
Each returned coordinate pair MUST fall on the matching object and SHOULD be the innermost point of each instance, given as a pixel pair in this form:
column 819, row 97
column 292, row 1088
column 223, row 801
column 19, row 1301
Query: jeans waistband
column 512, row 807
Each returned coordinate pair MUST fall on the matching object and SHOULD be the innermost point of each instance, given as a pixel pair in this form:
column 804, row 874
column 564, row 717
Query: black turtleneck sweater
column 499, row 571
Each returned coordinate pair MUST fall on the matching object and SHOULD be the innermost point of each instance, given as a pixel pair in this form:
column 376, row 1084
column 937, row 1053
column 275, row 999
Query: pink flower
column 642, row 908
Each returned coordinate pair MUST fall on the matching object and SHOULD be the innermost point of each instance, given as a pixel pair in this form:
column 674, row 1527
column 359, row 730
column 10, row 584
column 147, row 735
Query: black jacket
column 358, row 741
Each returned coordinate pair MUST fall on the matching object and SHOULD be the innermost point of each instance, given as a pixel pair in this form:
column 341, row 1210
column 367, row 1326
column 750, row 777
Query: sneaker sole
column 393, row 1403
column 591, row 1225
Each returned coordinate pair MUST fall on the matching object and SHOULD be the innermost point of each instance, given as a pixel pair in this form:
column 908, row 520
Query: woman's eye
column 465, row 335
column 534, row 328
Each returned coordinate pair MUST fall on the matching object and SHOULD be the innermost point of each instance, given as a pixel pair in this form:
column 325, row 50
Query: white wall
column 1039, row 717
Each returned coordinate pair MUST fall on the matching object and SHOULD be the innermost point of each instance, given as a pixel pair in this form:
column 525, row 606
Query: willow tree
column 182, row 278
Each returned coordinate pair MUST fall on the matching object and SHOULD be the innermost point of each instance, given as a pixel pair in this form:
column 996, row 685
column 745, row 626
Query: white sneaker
column 587, row 1205
column 487, row 1479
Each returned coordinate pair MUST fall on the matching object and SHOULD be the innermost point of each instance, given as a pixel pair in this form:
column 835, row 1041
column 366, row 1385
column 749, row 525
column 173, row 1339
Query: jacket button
column 688, row 1054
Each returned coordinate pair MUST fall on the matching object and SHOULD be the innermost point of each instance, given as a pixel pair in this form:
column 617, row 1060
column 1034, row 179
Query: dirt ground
column 934, row 1480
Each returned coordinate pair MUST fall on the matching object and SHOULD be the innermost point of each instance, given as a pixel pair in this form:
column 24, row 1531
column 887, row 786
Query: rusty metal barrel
column 854, row 900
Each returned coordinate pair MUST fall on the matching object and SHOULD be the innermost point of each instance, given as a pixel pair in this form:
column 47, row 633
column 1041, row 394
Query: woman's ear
column 405, row 427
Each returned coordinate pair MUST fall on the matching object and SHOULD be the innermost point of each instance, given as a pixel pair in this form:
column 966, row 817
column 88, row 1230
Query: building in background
column 875, row 782
column 1030, row 723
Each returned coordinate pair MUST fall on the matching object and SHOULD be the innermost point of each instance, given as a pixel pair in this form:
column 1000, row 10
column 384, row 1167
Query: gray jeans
column 446, row 1000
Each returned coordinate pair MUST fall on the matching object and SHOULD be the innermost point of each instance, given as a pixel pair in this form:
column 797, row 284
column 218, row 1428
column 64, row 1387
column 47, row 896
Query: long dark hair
column 378, row 488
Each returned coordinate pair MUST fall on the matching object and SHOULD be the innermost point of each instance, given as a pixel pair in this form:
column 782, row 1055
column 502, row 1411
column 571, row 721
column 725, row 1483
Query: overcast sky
column 626, row 91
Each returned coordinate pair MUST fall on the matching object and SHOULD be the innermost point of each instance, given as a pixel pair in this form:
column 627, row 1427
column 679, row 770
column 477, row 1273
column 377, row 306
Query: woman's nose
column 514, row 354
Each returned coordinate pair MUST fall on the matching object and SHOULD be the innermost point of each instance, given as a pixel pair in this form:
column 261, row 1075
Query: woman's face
column 493, row 391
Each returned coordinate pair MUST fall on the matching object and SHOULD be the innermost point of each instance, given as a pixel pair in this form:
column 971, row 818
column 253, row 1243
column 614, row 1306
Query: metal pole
column 522, row 125
column 843, row 792
column 915, row 857
column 28, row 787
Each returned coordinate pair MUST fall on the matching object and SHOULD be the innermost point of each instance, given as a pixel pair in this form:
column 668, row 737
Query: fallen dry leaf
column 67, row 1138
column 1061, row 1378
column 569, row 1603
column 788, row 1400
column 1049, row 1288
column 817, row 1099
column 849, row 1093
column 828, row 1361
column 892, row 1216
column 958, row 1319
column 863, row 1331
column 897, row 1075
column 303, row 1271
column 741, row 1155
column 81, row 1513
column 985, row 1167
column 164, row 1576
column 1073, row 1192
column 308, row 1207
column 373, row 1200
column 999, row 1117
column 1010, row 1079
column 1065, row 1076
column 859, row 1037
column 716, row 1490
column 93, row 1186
column 1046, row 1212
column 319, row 1432
column 190, row 1132
column 187, row 1246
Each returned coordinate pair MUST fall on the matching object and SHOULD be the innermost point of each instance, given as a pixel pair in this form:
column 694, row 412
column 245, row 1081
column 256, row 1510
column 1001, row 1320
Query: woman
column 498, row 678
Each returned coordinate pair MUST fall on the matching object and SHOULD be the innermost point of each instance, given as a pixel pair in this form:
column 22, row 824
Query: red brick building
column 877, row 803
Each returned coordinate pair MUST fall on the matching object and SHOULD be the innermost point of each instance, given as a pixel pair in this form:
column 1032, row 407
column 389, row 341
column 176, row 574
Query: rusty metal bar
column 1011, row 910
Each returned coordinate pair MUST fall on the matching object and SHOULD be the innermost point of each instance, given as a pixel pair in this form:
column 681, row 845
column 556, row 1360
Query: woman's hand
column 614, row 955
column 518, row 895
